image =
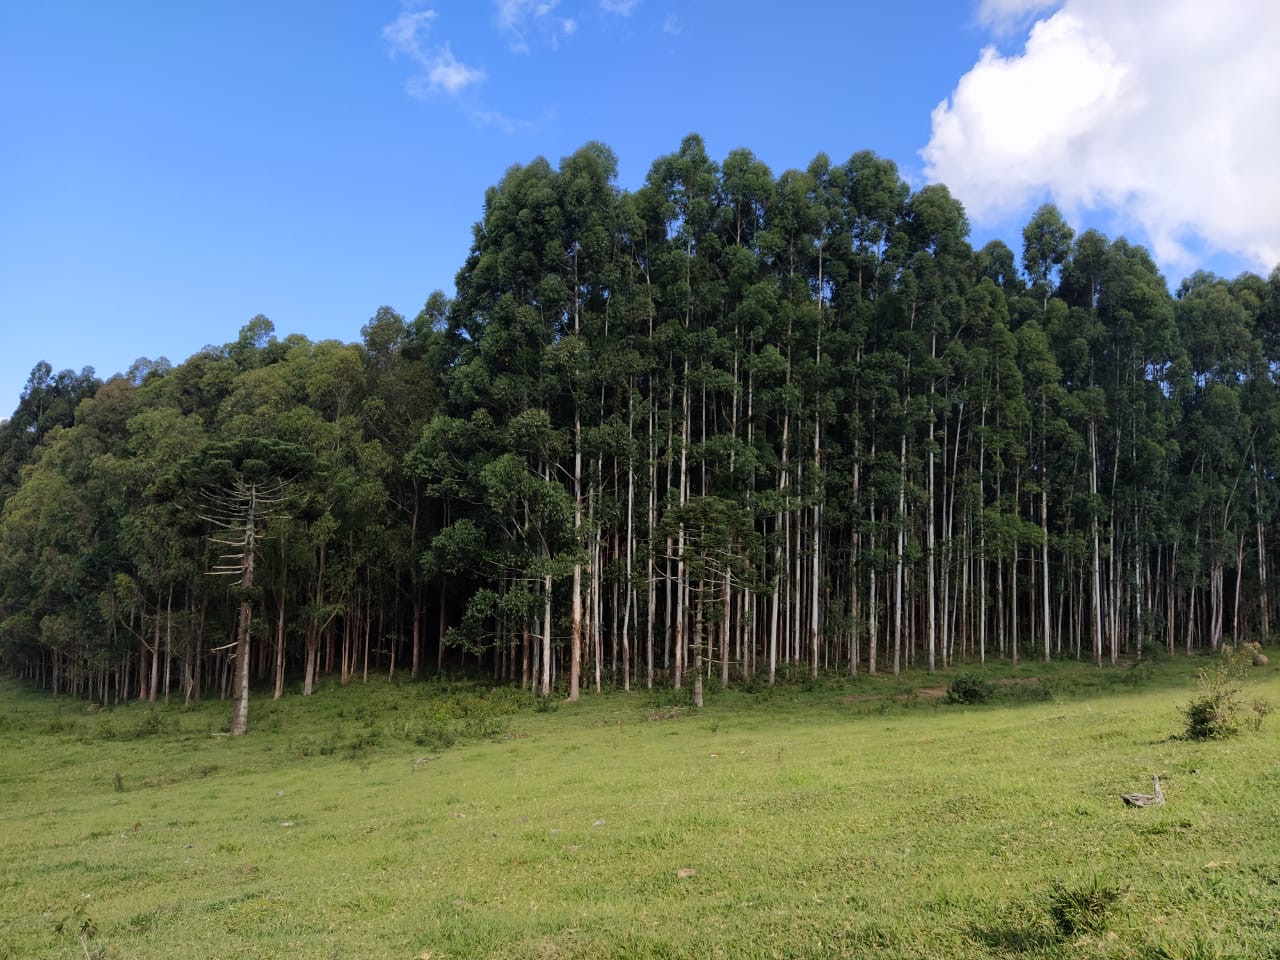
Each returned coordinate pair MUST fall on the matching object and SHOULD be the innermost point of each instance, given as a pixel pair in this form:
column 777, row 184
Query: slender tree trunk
column 240, row 683
column 546, row 637
column 1044, row 557
column 168, row 643
column 1097, row 548
column 153, row 686
column 278, row 691
column 900, row 583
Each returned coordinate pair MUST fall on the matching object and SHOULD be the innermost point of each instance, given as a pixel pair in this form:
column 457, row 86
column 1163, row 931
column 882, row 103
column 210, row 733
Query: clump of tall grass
column 1085, row 908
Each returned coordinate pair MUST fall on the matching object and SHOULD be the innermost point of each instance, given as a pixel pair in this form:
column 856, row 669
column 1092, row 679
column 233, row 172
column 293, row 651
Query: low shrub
column 436, row 733
column 1218, row 710
column 152, row 723
column 970, row 688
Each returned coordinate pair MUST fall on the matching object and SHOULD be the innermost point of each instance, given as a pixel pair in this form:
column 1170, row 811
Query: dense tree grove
column 727, row 427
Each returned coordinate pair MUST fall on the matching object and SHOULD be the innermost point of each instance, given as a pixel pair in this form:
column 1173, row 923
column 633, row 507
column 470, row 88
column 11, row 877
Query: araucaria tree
column 730, row 426
column 242, row 491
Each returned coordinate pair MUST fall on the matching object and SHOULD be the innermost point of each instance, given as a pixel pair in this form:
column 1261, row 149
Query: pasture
column 846, row 818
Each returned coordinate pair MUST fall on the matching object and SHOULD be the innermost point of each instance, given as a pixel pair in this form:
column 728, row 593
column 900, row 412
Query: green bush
column 970, row 688
column 483, row 728
column 152, row 723
column 436, row 733
column 1218, row 711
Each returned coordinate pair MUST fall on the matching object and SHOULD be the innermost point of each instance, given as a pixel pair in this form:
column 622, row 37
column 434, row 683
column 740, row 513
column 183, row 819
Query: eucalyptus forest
column 731, row 427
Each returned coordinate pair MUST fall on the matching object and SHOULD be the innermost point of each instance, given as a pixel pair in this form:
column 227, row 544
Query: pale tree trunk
column 629, row 552
column 153, row 686
column 1097, row 547
column 1044, row 559
column 816, row 567
column 815, row 575
column 240, row 683
column 314, row 630
column 873, row 627
column 575, row 636
column 1139, row 588
column 168, row 643
column 278, row 692
column 778, row 557
column 724, row 632
column 414, row 588
column 681, row 586
column 900, row 585
column 854, row 558
column 546, row 637
column 597, row 616
column 931, row 540
column 697, row 650
column 1262, row 558
column 651, row 572
column 1235, row 607
column 982, row 541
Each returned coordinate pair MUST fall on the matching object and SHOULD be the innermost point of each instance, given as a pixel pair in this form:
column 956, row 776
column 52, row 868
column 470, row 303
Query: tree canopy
column 732, row 424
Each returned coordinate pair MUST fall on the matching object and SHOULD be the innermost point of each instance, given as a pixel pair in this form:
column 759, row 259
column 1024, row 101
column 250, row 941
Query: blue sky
column 170, row 170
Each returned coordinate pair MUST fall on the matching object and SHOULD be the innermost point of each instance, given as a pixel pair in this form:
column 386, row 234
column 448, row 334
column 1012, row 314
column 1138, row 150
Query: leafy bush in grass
column 436, row 733
column 152, row 723
column 455, row 721
column 970, row 688
column 668, row 698
column 1219, row 711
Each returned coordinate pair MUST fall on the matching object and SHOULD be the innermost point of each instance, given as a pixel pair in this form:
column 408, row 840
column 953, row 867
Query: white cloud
column 499, row 121
column 446, row 73
column 1162, row 110
column 518, row 18
column 622, row 8
column 402, row 33
column 441, row 71
column 1004, row 14
column 512, row 13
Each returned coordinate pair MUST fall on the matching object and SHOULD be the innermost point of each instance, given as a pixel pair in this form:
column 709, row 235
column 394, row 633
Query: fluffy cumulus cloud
column 440, row 71
column 1164, row 111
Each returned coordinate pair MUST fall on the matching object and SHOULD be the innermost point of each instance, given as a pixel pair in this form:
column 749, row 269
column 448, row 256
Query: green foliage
column 773, row 385
column 1218, row 711
column 151, row 723
column 970, row 688
column 461, row 716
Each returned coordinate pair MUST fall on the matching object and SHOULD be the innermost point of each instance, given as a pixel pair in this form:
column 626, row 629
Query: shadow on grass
column 1015, row 938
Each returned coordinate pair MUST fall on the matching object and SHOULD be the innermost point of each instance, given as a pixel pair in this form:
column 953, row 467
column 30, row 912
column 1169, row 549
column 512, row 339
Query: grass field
column 853, row 819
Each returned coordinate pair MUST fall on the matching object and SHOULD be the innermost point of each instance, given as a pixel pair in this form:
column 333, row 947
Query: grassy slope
column 840, row 821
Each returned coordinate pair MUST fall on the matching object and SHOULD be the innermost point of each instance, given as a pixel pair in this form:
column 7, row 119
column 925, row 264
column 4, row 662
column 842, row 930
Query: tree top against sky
column 174, row 170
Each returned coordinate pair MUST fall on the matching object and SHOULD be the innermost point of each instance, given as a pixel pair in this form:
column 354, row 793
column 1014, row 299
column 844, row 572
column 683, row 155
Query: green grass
column 833, row 819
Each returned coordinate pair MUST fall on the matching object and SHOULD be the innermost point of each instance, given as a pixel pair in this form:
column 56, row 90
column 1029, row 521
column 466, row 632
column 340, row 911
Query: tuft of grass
column 1083, row 908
